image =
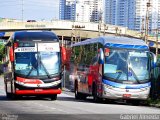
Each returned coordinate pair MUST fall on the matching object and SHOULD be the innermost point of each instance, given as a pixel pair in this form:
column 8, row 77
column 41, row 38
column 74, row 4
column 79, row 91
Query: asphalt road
column 67, row 108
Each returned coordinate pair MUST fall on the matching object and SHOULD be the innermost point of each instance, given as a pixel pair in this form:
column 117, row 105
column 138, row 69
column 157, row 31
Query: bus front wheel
column 77, row 94
column 8, row 95
column 94, row 93
column 54, row 97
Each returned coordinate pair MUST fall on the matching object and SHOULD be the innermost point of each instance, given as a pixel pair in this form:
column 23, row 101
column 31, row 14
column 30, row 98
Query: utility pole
column 105, row 28
column 142, row 29
column 100, row 23
column 157, row 32
column 147, row 21
column 72, row 35
column 76, row 30
column 22, row 10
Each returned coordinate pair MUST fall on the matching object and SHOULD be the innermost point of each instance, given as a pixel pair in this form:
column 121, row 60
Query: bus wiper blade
column 119, row 75
column 30, row 72
column 45, row 69
column 135, row 76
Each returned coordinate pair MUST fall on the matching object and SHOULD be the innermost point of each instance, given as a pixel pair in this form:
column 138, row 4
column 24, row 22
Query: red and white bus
column 112, row 68
column 33, row 64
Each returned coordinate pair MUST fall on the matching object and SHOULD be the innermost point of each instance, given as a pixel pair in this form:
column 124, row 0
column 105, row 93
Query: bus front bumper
column 119, row 93
column 38, row 92
column 38, row 89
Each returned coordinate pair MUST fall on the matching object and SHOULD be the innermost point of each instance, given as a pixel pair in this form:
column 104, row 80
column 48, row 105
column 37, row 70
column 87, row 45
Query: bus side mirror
column 63, row 54
column 101, row 56
column 11, row 54
column 153, row 60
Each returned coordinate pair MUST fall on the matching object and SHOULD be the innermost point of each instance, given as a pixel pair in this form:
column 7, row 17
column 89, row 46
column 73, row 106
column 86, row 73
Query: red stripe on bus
column 37, row 92
column 29, row 81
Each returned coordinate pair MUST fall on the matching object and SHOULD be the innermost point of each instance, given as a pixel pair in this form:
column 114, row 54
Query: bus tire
column 77, row 94
column 53, row 97
column 94, row 92
column 83, row 96
column 8, row 95
column 15, row 97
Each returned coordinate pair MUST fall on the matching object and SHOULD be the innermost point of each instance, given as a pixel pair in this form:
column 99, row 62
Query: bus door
column 83, row 79
column 8, row 71
column 8, row 79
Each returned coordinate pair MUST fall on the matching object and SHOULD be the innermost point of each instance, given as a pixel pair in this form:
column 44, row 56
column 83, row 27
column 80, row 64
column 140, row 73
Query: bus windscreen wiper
column 135, row 76
column 31, row 70
column 45, row 69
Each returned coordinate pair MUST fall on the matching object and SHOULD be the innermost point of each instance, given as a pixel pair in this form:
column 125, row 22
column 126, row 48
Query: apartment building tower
column 81, row 10
column 132, row 13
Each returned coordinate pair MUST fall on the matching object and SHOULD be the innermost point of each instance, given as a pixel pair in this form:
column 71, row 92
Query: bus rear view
column 33, row 64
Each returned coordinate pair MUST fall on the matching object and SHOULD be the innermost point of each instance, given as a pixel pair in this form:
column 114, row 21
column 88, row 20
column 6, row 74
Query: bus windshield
column 127, row 65
column 37, row 61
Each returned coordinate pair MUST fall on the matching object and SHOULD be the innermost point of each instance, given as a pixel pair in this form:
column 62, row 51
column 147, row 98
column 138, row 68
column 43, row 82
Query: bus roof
column 115, row 41
column 34, row 35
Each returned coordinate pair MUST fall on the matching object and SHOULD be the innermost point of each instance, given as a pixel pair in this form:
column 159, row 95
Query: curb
column 155, row 105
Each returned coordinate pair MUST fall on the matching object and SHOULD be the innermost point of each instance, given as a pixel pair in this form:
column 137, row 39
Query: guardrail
column 60, row 25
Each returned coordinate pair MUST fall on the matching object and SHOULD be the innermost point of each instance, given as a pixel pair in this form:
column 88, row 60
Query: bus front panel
column 126, row 74
column 37, row 68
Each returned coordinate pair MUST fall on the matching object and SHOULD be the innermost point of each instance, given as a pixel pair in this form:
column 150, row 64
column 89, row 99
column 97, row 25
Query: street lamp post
column 157, row 32
column 100, row 23
column 105, row 28
column 76, row 29
column 147, row 21
column 142, row 29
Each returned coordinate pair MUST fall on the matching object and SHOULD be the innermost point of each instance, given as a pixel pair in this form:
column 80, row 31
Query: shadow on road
column 3, row 98
column 90, row 100
column 68, row 98
column 106, row 101
column 24, row 98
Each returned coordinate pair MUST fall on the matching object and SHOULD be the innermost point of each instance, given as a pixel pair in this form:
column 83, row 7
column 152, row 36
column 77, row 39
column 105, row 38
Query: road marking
column 49, row 107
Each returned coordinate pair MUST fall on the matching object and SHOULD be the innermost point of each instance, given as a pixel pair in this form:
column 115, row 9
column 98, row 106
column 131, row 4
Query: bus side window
column 94, row 60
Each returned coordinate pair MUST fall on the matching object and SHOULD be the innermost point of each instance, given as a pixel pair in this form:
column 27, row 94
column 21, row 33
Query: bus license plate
column 38, row 90
column 126, row 95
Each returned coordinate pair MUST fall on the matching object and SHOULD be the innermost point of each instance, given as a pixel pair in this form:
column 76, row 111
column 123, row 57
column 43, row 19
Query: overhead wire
column 28, row 4
column 33, row 3
column 11, row 5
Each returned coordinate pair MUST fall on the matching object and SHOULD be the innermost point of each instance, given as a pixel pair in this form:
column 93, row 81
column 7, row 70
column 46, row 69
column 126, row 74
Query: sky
column 39, row 10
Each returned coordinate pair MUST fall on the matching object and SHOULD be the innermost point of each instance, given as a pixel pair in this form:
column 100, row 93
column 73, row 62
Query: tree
column 1, row 52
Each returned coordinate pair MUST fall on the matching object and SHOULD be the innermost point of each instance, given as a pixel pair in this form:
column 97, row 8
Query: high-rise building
column 132, row 13
column 67, row 9
column 62, row 5
column 70, row 10
column 110, row 14
column 81, row 10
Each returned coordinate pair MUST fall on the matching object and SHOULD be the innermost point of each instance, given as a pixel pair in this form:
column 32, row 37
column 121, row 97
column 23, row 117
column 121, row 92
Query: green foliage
column 2, row 54
column 153, row 102
column 158, row 56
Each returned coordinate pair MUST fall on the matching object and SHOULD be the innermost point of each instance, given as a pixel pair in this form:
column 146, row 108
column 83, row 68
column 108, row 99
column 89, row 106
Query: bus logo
column 127, row 90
